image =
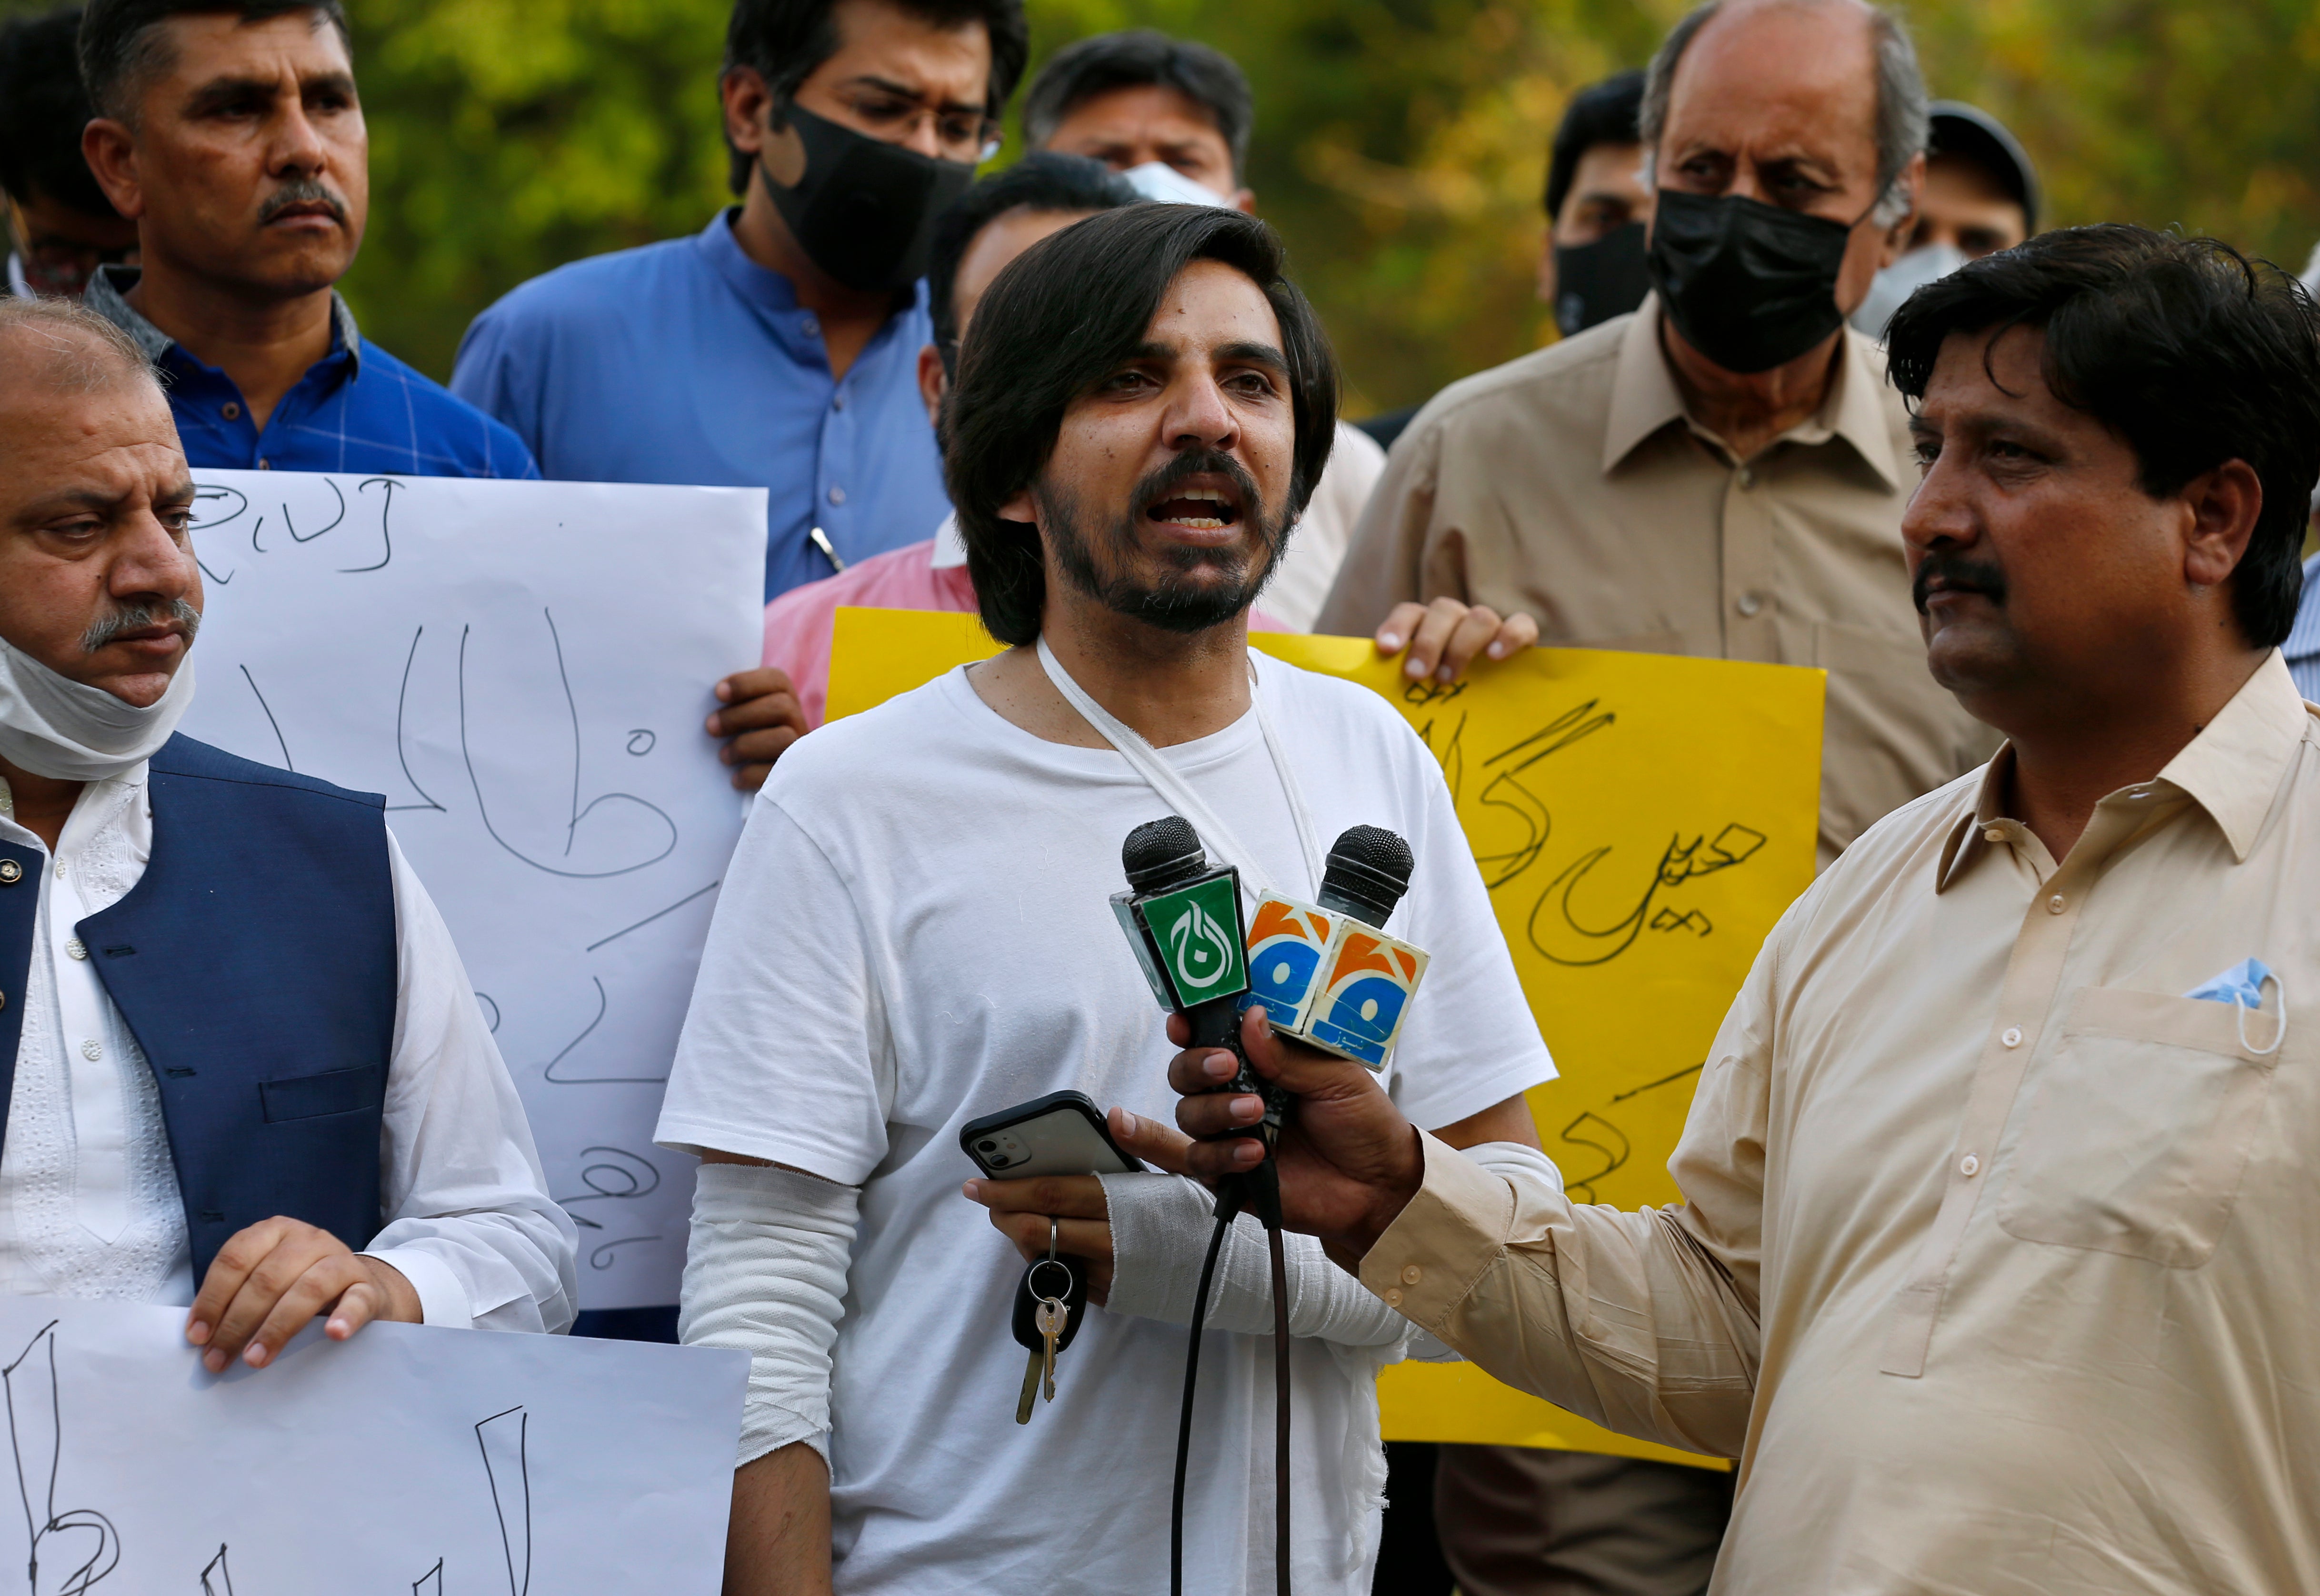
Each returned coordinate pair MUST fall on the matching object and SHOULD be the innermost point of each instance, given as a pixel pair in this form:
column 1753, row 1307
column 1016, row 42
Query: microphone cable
column 1262, row 1186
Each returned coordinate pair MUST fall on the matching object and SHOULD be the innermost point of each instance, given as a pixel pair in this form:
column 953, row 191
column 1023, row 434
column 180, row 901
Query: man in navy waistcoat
column 237, row 1048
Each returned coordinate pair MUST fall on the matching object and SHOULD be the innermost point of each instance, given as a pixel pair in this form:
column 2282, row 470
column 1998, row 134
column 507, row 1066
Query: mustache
column 1198, row 462
column 137, row 617
column 302, row 191
column 1956, row 573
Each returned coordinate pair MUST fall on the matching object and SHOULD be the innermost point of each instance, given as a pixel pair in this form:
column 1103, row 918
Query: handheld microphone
column 1183, row 919
column 1327, row 973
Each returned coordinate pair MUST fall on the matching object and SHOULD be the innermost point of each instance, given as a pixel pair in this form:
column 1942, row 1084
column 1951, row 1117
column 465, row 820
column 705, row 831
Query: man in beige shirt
column 1632, row 489
column 1994, row 1266
column 1720, row 474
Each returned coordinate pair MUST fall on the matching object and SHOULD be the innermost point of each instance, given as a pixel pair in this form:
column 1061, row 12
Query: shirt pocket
column 2140, row 1129
column 312, row 1097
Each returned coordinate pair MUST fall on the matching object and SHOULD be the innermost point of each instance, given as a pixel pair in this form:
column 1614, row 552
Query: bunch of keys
column 1050, row 1302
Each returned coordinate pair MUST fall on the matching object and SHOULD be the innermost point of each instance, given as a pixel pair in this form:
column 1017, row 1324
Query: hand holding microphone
column 1347, row 1160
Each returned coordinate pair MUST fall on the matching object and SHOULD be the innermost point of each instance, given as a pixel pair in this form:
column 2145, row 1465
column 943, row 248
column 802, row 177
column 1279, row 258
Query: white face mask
column 1157, row 180
column 70, row 731
column 1927, row 264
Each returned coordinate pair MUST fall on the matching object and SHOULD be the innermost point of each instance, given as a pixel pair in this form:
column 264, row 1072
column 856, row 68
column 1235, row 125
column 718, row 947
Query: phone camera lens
column 986, row 1147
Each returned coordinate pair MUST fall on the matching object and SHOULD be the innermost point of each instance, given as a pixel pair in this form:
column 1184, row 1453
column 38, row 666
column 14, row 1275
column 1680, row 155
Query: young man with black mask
column 1721, row 474
column 779, row 347
column 915, row 932
column 1598, row 207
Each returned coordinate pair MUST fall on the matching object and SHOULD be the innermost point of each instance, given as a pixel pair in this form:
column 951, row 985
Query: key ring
column 1052, row 1228
column 1045, row 1264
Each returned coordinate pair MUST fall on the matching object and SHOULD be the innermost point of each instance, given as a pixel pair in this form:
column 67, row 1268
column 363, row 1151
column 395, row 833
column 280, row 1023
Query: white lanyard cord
column 1164, row 779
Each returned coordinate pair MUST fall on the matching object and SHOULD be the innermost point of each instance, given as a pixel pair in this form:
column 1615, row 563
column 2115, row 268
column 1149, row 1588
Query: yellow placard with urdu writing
column 1641, row 819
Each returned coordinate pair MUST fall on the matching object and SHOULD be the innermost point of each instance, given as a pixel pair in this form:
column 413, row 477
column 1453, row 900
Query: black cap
column 1968, row 131
column 1367, row 872
column 1160, row 853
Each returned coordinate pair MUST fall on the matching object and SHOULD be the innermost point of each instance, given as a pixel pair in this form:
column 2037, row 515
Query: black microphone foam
column 1367, row 874
column 1160, row 853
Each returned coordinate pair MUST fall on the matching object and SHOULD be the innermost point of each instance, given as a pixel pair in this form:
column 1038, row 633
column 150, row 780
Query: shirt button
column 1411, row 1275
column 2013, row 1036
column 2054, row 904
column 811, row 325
column 92, row 1049
column 837, row 495
column 231, row 411
column 839, row 403
column 11, row 873
column 75, row 948
column 1747, row 477
column 1393, row 1296
column 1748, row 604
column 1969, row 1166
column 1996, row 834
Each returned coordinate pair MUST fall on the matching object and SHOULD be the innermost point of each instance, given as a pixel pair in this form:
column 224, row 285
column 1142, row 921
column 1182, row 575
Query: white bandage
column 766, row 1272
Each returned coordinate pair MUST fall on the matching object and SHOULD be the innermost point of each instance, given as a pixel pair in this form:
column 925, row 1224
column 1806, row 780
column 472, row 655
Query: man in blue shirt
column 779, row 348
column 231, row 132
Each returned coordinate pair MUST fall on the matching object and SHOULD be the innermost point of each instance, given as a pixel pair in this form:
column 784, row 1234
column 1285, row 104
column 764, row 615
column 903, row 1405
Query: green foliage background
column 1400, row 144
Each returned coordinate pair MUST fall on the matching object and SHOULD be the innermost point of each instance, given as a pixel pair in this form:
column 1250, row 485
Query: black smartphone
column 1061, row 1133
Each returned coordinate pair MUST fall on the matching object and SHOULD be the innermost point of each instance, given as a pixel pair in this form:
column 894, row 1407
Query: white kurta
column 90, row 1203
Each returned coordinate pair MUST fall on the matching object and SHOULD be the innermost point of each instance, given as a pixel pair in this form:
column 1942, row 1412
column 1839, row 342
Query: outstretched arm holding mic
column 1645, row 1323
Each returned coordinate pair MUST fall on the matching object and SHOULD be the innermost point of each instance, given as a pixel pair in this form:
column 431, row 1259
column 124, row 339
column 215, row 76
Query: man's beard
column 136, row 618
column 1177, row 602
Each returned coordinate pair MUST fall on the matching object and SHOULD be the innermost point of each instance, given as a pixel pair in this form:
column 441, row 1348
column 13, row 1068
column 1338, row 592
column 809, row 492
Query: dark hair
column 118, row 45
column 1044, row 180
column 785, row 40
column 1066, row 314
column 42, row 110
column 2188, row 351
column 1601, row 113
column 1137, row 58
column 1971, row 133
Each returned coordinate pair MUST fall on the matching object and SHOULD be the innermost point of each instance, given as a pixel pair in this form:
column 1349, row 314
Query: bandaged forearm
column 1160, row 1229
column 766, row 1272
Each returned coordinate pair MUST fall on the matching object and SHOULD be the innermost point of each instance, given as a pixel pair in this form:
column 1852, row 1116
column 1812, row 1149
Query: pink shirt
column 798, row 624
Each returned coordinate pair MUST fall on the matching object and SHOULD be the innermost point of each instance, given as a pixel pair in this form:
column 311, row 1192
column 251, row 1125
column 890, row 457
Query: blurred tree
column 1400, row 144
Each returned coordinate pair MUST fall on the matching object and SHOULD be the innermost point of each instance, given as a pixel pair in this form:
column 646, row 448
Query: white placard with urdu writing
column 409, row 1459
column 522, row 668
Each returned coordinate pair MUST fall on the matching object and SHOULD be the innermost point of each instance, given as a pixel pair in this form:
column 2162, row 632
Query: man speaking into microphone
column 915, row 933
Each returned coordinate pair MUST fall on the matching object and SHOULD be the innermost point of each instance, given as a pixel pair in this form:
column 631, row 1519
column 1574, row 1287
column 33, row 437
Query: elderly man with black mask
column 1721, row 474
column 240, row 1067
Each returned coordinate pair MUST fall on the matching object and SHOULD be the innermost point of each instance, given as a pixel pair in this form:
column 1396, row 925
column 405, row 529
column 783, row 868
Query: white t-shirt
column 914, row 933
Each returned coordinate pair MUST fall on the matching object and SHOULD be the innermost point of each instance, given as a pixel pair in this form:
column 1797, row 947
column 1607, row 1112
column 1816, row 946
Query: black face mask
column 864, row 210
column 1596, row 282
column 1750, row 285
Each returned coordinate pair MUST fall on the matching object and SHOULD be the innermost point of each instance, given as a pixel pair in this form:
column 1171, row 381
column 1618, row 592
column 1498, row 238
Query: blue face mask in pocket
column 2242, row 986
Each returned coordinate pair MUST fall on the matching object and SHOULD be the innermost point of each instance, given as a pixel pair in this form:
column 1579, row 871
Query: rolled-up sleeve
column 470, row 1223
column 1645, row 1323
